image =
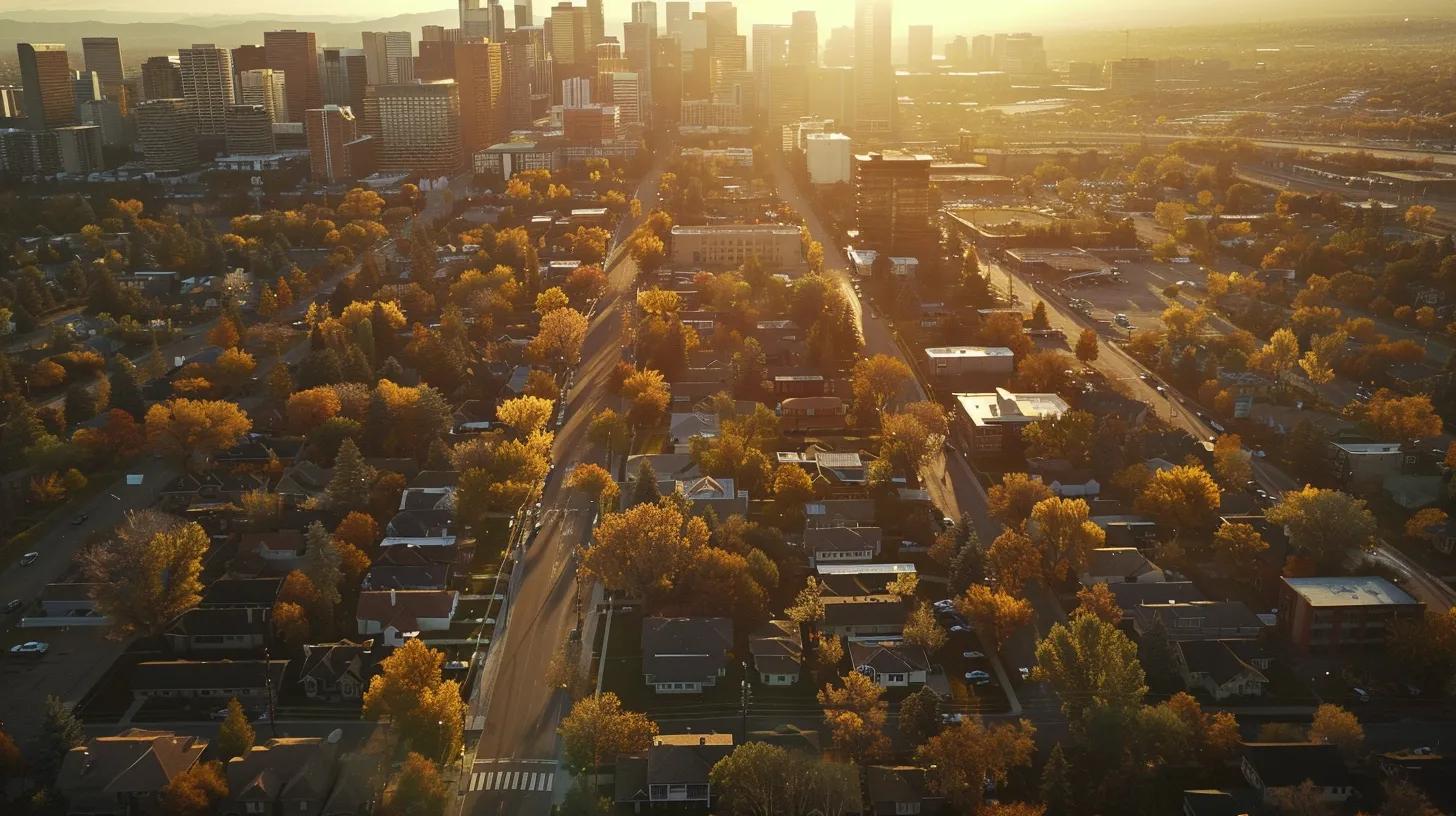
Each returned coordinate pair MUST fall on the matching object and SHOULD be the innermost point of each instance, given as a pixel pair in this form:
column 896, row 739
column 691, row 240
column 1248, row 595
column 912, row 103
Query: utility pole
column 745, row 695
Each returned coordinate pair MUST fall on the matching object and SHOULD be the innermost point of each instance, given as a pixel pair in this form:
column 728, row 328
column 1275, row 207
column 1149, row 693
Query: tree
column 1056, row 784
column 903, row 586
column 1043, row 371
column 1097, row 600
column 971, row 754
column 550, row 300
column 644, row 486
column 321, row 562
column 359, row 530
column 1279, row 356
column 1403, row 798
column 1065, row 534
column 60, row 731
column 1395, row 417
column 559, row 337
column 856, row 715
column 1238, row 547
column 1090, row 664
column 417, row 790
column 1182, row 324
column 594, row 480
column 194, row 430
column 875, row 382
column 919, row 716
column 1231, row 462
column 759, row 779
column 1013, row 561
column 196, row 791
column 311, row 407
column 525, row 415
column 647, row 394
column 1338, row 727
column 598, row 729
column 1326, row 525
column 291, row 624
column 1086, row 349
column 235, row 735
column 224, row 334
column 996, row 612
column 1069, row 436
column 425, row 709
column 1184, row 498
column 148, row 573
column 1011, row 501
column 808, row 605
column 608, row 429
column 348, row 487
column 1426, row 525
column 922, row 629
column 645, row 548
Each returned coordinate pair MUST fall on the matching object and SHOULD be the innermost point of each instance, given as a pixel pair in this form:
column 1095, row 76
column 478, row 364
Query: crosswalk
column 531, row 776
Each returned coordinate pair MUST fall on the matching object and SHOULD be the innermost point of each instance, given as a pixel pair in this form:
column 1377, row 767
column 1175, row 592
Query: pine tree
column 126, row 391
column 235, row 736
column 969, row 564
column 644, row 488
column 356, row 367
column 349, row 487
column 1056, row 784
column 60, row 732
column 321, row 560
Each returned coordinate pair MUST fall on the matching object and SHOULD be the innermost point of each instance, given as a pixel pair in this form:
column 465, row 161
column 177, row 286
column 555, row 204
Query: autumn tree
column 196, row 791
column 644, row 549
column 1013, row 561
column 760, row 779
column 1231, row 462
column 876, row 382
column 1097, row 600
column 598, row 729
column 311, row 407
column 856, row 716
column 1086, row 349
column 1426, row 525
column 1069, row 436
column 1011, row 501
column 424, row 708
column 559, row 338
column 416, row 790
column 1065, row 534
column 1184, row 498
column 148, row 573
column 923, row 630
column 970, row 755
column 647, row 395
column 1326, row 525
column 235, row 735
column 1338, row 727
column 919, row 716
column 1090, row 663
column 1279, row 356
column 1238, row 547
column 594, row 480
column 359, row 530
column 996, row 612
column 525, row 415
column 1392, row 416
column 808, row 604
column 1043, row 371
column 609, row 429
column 194, row 430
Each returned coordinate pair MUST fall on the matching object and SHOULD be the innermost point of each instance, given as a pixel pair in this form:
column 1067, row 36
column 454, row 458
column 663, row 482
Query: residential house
column 839, row 513
column 124, row 774
column 1064, row 479
column 396, row 615
column 410, row 554
column 1328, row 615
column 675, row 467
column 1120, row 565
column 716, row 494
column 1214, row 803
column 890, row 664
column 844, row 469
column 1103, row 402
column 1198, row 620
column 864, row 617
column 407, row 524
column 241, row 593
column 674, row 771
column 303, row 480
column 217, row 680
column 900, row 790
column 424, row 574
column 834, row 545
column 202, row 631
column 682, row 427
column 1219, row 668
column 778, row 653
column 1273, row 767
column 860, row 579
column 685, row 655
column 427, row 498
column 279, row 552
column 786, row 386
column 336, row 671
column 284, row 775
column 812, row 414
column 1131, row 596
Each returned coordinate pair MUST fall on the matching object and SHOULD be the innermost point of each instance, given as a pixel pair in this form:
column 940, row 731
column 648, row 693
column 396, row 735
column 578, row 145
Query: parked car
column 79, row 520
column 1025, row 672
column 14, row 606
column 29, row 558
column 973, row 655
column 952, row 718
column 30, row 648
column 978, row 678
column 958, row 628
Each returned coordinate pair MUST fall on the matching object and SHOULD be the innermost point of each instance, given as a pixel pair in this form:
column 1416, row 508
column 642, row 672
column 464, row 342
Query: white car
column 946, row 603
column 1025, row 672
column 978, row 678
column 29, row 558
column 30, row 647
column 972, row 655
column 958, row 628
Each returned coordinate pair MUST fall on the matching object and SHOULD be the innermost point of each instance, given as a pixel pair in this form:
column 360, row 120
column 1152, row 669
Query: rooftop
column 1367, row 590
column 968, row 351
column 709, row 229
column 1003, row 406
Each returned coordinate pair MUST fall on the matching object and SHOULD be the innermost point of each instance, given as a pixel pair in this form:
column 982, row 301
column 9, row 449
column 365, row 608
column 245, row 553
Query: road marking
column 527, row 781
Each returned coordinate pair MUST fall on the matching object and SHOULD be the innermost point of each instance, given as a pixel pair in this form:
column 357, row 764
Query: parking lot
column 1138, row 294
column 76, row 659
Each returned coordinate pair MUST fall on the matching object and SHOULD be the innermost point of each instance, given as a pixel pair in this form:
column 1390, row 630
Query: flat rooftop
column 968, row 351
column 1360, row 590
column 1001, row 406
column 708, row 229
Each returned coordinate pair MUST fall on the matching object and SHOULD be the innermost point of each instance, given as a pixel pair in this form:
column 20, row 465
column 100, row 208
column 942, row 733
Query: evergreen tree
column 969, row 565
column 1056, row 784
column 644, row 488
column 126, row 391
column 349, row 487
column 391, row 370
column 320, row 367
column 321, row 559
column 235, row 736
column 59, row 733
column 356, row 366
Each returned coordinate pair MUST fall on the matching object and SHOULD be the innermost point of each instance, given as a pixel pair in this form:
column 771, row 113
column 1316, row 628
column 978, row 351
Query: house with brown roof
column 685, row 655
column 396, row 614
column 863, row 616
column 778, row 653
column 837, row 545
column 1220, row 668
column 124, row 774
column 283, row 775
column 336, row 671
column 817, row 413
column 1119, row 565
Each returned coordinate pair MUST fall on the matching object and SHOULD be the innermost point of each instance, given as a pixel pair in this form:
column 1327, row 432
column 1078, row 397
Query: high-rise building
column 436, row 60
column 29, row 152
column 570, row 42
column 528, row 76
column 103, row 57
column 333, row 136
column 480, row 79
column 645, row 11
column 983, row 52
column 667, row 78
column 1133, row 76
column 779, row 82
column 249, row 58
column 676, row 15
column 79, row 147
column 839, row 48
column 637, row 40
column 1020, row 54
column 524, row 16
column 249, row 131
column 804, row 39
column 576, row 92
column 627, row 96
column 12, row 102
column 344, row 77
column 116, row 130
column 596, row 30
column 474, row 20
column 921, row 55
column 382, row 53
column 418, row 126
column 1084, row 74
column 295, row 53
column 892, row 202
column 161, row 78
column 828, row 158
column 166, row 135
column 958, row 53
column 831, row 93
column 266, row 87
column 50, row 93
column 874, row 74
column 86, row 86
column 207, row 85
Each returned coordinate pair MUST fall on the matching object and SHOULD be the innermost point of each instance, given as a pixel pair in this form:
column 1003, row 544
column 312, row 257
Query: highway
column 514, row 767
column 1383, row 151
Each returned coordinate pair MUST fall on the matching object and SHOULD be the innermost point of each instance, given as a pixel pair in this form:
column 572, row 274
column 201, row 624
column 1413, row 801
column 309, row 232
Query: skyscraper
column 329, row 131
column 249, row 130
column 382, row 53
column 248, row 58
column 474, row 20
column 626, row 87
column 525, row 16
column 1020, row 54
column 166, row 135
column 892, row 202
column 50, row 94
column 344, row 77
column 207, row 85
column 645, row 11
column 480, row 77
column 570, row 47
column 983, row 52
column 677, row 14
column 874, row 75
column 266, row 87
column 86, row 86
column 596, row 23
column 161, row 78
column 103, row 55
column 418, row 126
column 958, row 53
column 667, row 79
column 295, row 53
column 804, row 39
column 839, row 50
column 921, row 48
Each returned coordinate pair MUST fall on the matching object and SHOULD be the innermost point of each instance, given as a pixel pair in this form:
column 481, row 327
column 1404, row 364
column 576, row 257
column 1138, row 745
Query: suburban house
column 820, row 413
column 685, row 655
column 1328, row 614
column 844, row 468
column 863, row 617
column 247, row 680
column 1211, row 802
column 398, row 614
column 991, row 422
column 890, row 664
column 1131, row 596
column 778, row 653
column 1064, row 479
column 839, row 512
column 900, row 790
column 674, row 771
column 1219, row 668
column 1119, row 565
column 279, row 552
column 336, row 671
column 241, row 593
column 283, row 775
column 200, row 631
column 1198, row 620
column 861, row 578
column 124, row 774
column 833, row 545
column 1270, row 767
column 716, row 494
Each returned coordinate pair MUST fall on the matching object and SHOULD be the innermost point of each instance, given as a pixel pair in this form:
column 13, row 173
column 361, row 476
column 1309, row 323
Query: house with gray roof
column 778, row 653
column 125, row 773
column 891, row 664
column 685, row 655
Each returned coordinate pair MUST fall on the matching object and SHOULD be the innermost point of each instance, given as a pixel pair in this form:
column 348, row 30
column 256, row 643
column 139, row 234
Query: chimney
column 391, row 596
column 702, row 741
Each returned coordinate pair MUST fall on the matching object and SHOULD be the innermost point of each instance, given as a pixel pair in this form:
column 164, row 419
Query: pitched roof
column 334, row 660
column 403, row 608
column 1131, row 596
column 135, row 761
column 283, row 768
column 677, row 763
column 260, row 592
column 1125, row 562
column 895, row 658
column 1216, row 659
column 777, row 648
column 839, row 539
column 895, row 783
column 848, row 610
column 279, row 541
column 1287, row 764
column 228, row 621
column 685, row 649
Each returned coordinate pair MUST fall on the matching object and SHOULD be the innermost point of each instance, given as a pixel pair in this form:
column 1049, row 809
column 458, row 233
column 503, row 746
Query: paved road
column 1380, row 151
column 514, row 767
